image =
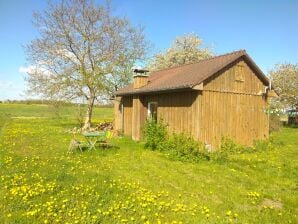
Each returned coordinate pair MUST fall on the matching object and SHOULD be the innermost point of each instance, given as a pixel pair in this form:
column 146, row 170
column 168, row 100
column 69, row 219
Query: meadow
column 41, row 183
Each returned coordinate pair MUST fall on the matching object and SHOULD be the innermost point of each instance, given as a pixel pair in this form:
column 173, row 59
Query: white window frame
column 149, row 115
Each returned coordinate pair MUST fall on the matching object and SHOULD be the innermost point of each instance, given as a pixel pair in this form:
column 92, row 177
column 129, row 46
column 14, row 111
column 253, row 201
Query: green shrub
column 184, row 147
column 154, row 133
column 229, row 145
column 178, row 146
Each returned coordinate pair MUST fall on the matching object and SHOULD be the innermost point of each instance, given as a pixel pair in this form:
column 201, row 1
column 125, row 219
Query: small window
column 239, row 76
column 152, row 111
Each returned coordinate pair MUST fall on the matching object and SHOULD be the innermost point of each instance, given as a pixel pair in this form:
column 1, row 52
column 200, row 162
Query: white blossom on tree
column 185, row 49
column 285, row 81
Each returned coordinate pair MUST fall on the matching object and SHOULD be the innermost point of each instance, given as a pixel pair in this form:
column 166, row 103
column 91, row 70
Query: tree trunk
column 87, row 124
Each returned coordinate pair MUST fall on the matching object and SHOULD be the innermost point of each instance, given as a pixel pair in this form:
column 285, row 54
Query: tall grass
column 41, row 183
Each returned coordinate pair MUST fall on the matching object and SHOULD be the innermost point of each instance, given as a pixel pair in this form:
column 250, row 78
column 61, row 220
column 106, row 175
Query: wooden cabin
column 224, row 96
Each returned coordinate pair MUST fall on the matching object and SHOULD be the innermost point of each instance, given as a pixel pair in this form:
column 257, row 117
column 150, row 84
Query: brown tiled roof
column 189, row 75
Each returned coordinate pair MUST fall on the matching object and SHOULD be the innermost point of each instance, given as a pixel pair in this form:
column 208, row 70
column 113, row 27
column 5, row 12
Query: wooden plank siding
column 138, row 116
column 233, row 106
column 127, row 116
column 238, row 116
column 118, row 114
column 230, row 105
column 237, row 78
column 175, row 109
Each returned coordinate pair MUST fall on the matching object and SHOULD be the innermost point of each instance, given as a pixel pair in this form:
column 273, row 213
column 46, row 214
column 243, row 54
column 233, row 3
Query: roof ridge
column 187, row 77
column 202, row 60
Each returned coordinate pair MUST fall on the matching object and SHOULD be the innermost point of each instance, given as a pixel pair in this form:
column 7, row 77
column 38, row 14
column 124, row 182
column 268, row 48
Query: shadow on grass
column 99, row 150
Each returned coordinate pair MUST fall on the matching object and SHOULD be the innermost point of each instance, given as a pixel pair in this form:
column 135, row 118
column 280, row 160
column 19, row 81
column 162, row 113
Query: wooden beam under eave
column 199, row 86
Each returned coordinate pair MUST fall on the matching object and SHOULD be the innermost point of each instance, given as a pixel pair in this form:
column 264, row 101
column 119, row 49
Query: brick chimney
column 140, row 78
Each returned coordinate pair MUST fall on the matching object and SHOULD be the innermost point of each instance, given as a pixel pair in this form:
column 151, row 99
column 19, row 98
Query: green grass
column 50, row 111
column 41, row 183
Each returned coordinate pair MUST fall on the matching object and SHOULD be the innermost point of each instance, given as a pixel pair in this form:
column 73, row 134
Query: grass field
column 41, row 183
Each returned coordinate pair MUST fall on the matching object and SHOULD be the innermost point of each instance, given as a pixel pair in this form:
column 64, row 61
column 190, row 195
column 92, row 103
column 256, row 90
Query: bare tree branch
column 82, row 51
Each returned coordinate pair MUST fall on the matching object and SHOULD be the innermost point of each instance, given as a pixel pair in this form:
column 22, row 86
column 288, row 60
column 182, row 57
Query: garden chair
column 74, row 145
column 105, row 142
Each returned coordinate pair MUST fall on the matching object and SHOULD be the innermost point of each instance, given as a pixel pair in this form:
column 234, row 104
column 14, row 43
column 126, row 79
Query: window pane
column 152, row 110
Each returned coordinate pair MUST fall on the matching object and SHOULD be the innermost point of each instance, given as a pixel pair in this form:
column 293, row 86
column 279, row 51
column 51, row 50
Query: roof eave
column 148, row 92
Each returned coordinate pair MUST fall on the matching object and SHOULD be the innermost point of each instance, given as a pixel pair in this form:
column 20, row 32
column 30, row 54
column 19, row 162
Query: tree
column 285, row 81
column 185, row 49
column 81, row 52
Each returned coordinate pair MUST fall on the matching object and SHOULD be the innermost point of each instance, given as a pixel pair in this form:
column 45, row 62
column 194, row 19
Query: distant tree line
column 52, row 102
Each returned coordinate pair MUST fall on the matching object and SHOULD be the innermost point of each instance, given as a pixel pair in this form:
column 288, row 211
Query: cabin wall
column 127, row 117
column 232, row 105
column 241, row 117
column 237, row 78
column 117, row 114
column 138, row 117
column 177, row 110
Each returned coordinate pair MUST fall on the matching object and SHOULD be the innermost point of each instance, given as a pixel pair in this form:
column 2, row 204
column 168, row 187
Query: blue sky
column 267, row 29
